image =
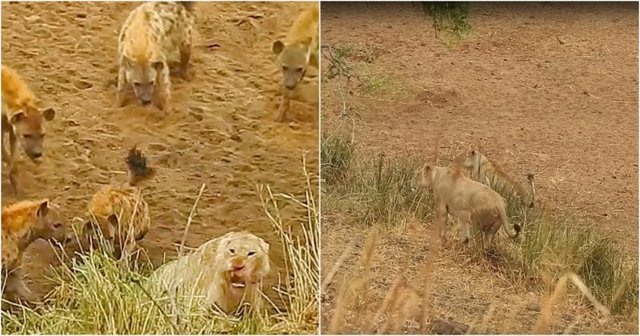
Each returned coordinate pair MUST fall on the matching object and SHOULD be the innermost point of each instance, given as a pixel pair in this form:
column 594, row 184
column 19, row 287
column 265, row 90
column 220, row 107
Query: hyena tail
column 188, row 5
column 137, row 166
column 512, row 232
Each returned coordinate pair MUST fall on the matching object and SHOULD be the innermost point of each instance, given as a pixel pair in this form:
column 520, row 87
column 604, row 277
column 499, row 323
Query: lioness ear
column 16, row 117
column 265, row 246
column 48, row 114
column 277, row 47
column 43, row 209
column 473, row 152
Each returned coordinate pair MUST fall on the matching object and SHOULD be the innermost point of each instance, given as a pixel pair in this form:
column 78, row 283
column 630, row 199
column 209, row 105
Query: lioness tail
column 512, row 232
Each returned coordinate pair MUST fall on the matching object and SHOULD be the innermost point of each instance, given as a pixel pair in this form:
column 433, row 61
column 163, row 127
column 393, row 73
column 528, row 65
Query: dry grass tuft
column 96, row 294
column 377, row 191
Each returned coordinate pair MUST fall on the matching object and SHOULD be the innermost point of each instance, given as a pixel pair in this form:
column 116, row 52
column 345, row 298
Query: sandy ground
column 550, row 89
column 220, row 130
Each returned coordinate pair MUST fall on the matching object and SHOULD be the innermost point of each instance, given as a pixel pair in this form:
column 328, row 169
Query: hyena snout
column 292, row 77
column 144, row 93
column 33, row 147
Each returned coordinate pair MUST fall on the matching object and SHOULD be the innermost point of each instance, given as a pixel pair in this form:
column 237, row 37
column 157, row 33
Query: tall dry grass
column 97, row 294
column 374, row 189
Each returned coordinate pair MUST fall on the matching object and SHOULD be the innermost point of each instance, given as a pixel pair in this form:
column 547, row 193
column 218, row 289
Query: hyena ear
column 113, row 220
column 126, row 62
column 16, row 117
column 313, row 59
column 48, row 114
column 307, row 42
column 277, row 47
column 43, row 209
column 87, row 227
column 158, row 65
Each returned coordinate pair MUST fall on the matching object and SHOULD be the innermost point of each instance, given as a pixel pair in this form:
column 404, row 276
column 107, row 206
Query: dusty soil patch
column 550, row 89
column 219, row 130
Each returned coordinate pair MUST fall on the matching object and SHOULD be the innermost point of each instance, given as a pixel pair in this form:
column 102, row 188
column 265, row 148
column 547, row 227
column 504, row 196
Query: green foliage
column 449, row 16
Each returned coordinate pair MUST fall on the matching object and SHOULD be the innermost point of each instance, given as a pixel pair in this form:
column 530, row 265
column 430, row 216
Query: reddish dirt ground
column 220, row 130
column 550, row 89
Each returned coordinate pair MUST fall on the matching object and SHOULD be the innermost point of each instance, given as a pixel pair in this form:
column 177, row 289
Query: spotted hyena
column 23, row 120
column 155, row 36
column 23, row 223
column 298, row 51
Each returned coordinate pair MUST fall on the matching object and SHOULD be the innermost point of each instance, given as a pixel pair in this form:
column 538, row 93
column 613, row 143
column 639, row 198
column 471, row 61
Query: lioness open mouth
column 240, row 281
column 237, row 281
column 238, row 285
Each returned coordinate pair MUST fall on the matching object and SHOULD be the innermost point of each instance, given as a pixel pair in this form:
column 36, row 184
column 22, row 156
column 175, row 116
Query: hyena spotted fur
column 120, row 214
column 23, row 223
column 155, row 36
column 22, row 120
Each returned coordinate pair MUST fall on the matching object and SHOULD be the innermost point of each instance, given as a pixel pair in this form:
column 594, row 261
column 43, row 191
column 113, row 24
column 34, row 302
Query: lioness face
column 469, row 159
column 245, row 260
column 426, row 176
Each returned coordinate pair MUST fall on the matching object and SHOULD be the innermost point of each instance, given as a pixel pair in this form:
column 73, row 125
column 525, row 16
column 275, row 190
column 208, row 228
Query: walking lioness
column 467, row 200
column 484, row 171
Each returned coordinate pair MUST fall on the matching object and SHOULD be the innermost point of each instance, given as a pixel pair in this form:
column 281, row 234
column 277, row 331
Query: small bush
column 373, row 189
column 337, row 152
column 449, row 16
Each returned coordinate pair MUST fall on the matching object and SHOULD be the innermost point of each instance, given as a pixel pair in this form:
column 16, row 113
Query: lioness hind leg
column 487, row 239
column 465, row 220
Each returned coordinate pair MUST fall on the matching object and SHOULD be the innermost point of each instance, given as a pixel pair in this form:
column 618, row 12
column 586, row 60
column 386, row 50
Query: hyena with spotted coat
column 119, row 213
column 155, row 36
column 22, row 119
column 296, row 53
column 23, row 223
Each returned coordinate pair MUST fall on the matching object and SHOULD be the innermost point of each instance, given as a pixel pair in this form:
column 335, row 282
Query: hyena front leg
column 285, row 103
column 16, row 290
column 121, row 87
column 13, row 171
column 185, row 56
column 5, row 153
column 163, row 92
